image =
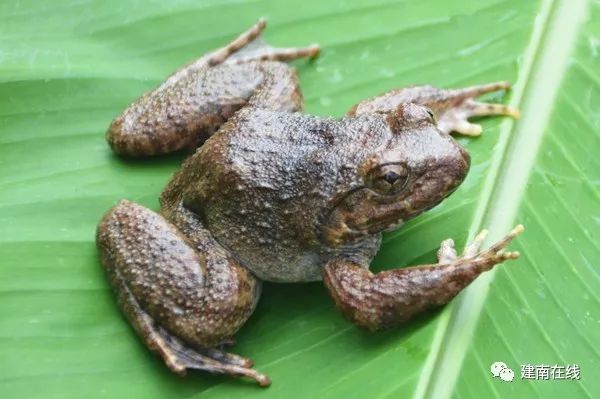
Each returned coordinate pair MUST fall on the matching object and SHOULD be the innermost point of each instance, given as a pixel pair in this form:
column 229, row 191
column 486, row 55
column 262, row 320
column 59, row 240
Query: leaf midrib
column 546, row 60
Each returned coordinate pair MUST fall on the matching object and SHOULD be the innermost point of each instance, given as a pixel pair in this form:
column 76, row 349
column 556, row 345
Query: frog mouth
column 366, row 211
column 360, row 213
column 386, row 212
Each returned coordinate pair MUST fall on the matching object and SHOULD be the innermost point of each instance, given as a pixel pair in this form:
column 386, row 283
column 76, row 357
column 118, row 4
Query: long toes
column 214, row 366
column 180, row 357
column 477, row 108
column 222, row 363
column 268, row 53
column 467, row 128
column 226, row 357
column 219, row 368
column 456, row 121
column 238, row 43
column 479, row 90
column 262, row 379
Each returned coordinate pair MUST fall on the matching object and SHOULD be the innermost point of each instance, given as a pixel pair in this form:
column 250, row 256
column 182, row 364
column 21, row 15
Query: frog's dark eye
column 388, row 179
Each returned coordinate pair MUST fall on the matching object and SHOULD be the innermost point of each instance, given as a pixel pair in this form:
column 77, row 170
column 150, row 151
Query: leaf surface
column 68, row 67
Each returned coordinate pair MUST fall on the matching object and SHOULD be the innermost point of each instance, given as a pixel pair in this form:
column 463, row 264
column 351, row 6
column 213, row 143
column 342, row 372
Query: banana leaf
column 67, row 67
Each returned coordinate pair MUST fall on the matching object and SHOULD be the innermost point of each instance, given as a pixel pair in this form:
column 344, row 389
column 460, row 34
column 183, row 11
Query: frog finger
column 506, row 240
column 446, row 253
column 472, row 249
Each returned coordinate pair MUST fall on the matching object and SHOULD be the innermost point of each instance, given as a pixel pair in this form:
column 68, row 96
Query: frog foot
column 179, row 358
column 249, row 46
column 459, row 105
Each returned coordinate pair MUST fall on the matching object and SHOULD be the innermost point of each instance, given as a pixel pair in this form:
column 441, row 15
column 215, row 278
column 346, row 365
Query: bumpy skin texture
column 287, row 200
column 451, row 108
column 281, row 196
column 188, row 283
column 383, row 300
column 185, row 113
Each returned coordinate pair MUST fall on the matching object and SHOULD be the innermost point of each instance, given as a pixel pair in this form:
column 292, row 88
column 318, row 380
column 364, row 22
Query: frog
column 271, row 193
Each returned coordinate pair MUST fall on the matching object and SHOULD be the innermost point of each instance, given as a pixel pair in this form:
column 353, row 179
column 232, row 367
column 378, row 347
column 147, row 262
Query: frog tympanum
column 278, row 195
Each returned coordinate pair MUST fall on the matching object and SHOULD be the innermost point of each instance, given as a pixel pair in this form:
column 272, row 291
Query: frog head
column 412, row 171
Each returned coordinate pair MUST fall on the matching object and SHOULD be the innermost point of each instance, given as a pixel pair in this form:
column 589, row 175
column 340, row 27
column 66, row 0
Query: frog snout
column 466, row 158
column 458, row 164
column 453, row 166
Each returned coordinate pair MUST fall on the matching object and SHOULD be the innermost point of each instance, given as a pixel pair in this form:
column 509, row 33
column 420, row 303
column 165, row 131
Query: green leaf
column 68, row 67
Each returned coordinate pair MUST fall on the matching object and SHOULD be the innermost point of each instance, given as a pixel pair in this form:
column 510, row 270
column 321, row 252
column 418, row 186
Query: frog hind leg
column 177, row 356
column 182, row 301
column 192, row 103
column 452, row 107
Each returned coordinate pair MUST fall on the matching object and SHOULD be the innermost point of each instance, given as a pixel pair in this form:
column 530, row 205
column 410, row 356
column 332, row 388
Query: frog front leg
column 452, row 108
column 382, row 300
column 184, row 296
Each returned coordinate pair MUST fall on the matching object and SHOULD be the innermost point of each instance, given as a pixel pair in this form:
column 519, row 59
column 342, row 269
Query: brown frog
column 273, row 194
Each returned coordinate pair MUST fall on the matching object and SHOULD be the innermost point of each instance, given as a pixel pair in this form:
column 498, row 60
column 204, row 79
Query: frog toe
column 460, row 106
column 462, row 126
column 212, row 360
column 477, row 108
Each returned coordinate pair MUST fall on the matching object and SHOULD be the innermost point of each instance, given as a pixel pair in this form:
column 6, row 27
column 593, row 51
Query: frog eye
column 388, row 179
